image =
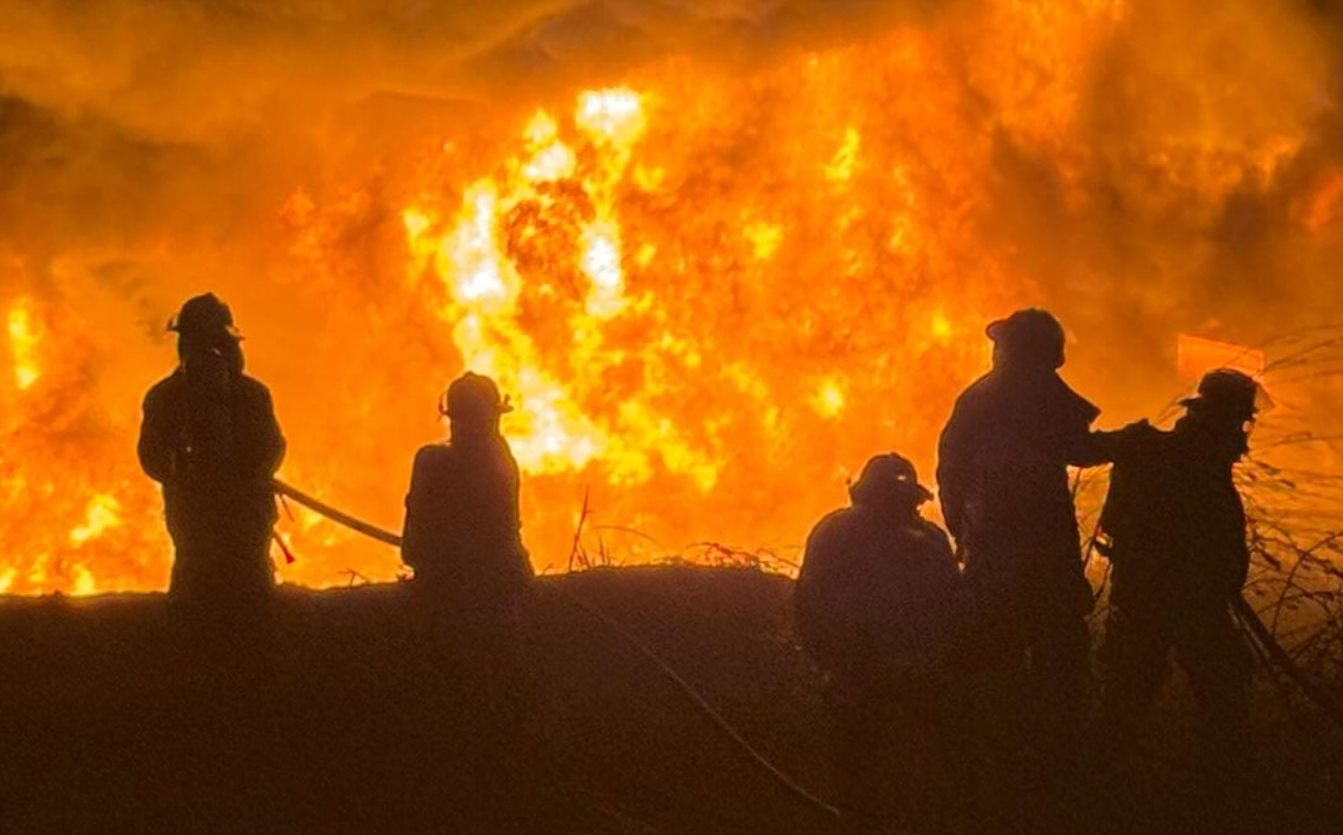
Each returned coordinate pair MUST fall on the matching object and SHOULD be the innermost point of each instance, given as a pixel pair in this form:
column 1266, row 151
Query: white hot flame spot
column 551, row 160
column 601, row 262
column 615, row 115
column 469, row 258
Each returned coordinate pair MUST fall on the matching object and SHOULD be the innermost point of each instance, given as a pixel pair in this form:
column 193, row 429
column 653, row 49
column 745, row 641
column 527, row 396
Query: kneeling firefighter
column 878, row 604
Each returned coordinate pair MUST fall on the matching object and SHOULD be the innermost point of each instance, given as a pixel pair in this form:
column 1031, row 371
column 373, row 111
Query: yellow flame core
column 23, row 341
column 941, row 328
column 765, row 238
column 104, row 512
column 829, row 399
column 840, row 168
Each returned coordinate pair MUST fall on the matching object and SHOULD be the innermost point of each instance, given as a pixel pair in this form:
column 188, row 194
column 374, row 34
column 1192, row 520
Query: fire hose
column 716, row 719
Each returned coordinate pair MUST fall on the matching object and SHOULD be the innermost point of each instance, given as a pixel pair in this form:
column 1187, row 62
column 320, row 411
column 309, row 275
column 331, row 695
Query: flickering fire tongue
column 711, row 292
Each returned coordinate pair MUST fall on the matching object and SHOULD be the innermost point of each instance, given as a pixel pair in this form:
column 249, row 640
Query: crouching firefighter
column 210, row 437
column 1173, row 527
column 878, row 602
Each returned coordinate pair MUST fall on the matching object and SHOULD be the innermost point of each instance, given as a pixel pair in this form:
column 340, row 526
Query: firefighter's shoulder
column 832, row 526
column 983, row 389
column 253, row 389
column 932, row 534
column 433, row 456
column 164, row 390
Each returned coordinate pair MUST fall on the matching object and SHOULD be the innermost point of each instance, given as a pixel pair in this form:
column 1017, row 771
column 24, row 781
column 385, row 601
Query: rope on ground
column 702, row 705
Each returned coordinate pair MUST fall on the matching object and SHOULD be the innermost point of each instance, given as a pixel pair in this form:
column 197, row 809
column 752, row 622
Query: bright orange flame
column 711, row 297
column 104, row 513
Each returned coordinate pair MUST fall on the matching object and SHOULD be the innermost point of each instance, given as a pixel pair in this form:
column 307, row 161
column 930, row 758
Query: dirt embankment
column 111, row 722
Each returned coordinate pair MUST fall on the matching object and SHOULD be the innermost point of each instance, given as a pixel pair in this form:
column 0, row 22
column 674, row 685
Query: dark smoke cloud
column 210, row 70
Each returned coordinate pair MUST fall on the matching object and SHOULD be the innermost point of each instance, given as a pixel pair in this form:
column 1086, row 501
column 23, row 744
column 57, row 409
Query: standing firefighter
column 877, row 603
column 1176, row 540
column 1003, row 479
column 210, row 437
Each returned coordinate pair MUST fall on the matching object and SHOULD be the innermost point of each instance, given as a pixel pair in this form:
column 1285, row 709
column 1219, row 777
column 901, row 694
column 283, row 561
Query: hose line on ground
column 1253, row 624
column 687, row 690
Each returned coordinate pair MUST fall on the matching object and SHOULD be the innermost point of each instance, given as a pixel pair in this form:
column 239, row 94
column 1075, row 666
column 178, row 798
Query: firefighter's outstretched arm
column 1083, row 447
column 1093, row 448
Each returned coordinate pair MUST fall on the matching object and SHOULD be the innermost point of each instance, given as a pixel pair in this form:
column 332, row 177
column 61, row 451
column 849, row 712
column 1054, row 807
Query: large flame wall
column 710, row 293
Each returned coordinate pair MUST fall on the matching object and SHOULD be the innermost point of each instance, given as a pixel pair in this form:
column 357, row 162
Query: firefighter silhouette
column 472, row 577
column 878, row 604
column 1003, row 482
column 462, row 530
column 210, row 437
column 1174, row 530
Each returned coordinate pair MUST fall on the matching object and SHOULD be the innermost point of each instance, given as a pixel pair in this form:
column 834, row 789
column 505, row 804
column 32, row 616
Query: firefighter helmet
column 473, row 394
column 888, row 477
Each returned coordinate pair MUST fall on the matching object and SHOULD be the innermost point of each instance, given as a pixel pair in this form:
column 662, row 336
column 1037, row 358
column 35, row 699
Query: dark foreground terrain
column 109, row 723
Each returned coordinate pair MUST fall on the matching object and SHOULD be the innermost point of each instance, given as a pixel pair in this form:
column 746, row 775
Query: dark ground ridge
column 108, row 724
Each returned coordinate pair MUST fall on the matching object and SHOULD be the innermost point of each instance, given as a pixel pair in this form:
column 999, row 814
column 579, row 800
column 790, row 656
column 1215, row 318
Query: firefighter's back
column 462, row 525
